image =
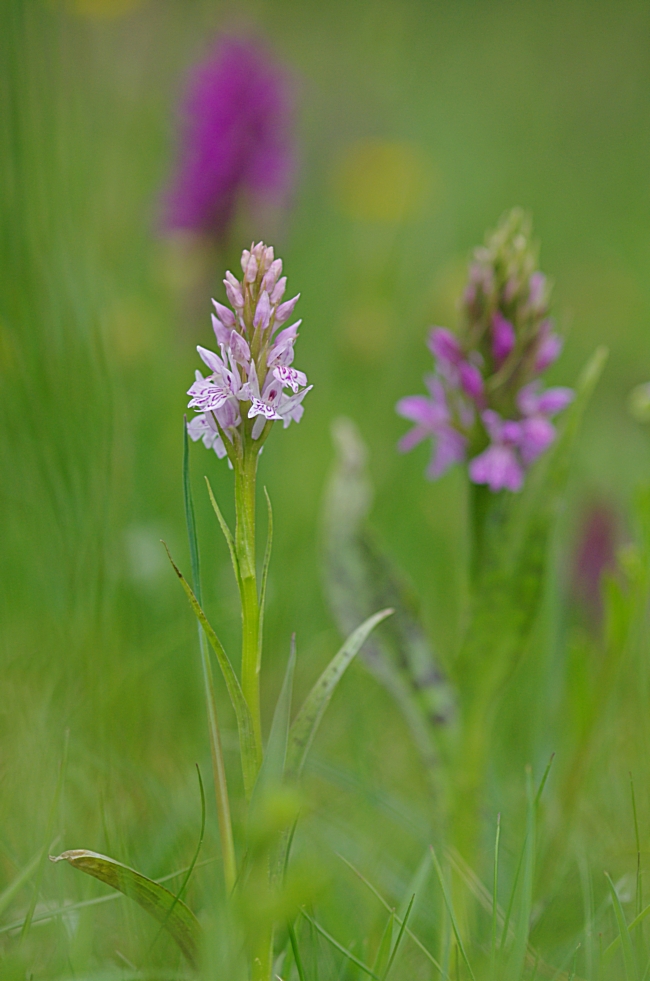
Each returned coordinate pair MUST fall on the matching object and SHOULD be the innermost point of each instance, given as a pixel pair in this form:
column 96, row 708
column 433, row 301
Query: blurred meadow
column 417, row 125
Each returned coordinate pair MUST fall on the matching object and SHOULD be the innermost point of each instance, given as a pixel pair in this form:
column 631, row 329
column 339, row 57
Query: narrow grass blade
column 398, row 919
column 385, row 946
column 342, row 950
column 616, row 942
column 48, row 837
column 296, row 952
column 495, row 903
column 399, row 938
column 588, row 904
column 227, row 534
column 308, row 719
column 216, row 752
column 186, row 879
column 159, row 902
column 265, row 574
column 23, row 877
column 639, row 892
column 522, row 929
column 249, row 753
column 538, row 795
column 450, row 910
column 624, row 931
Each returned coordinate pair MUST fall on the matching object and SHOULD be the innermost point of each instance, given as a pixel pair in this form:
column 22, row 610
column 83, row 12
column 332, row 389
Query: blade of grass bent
column 398, row 919
column 495, row 903
column 624, row 931
column 343, row 950
column 159, row 902
column 216, row 752
column 48, row 838
column 304, row 728
column 250, row 758
column 450, row 910
column 522, row 929
column 400, row 935
column 54, row 914
column 186, row 878
column 385, row 946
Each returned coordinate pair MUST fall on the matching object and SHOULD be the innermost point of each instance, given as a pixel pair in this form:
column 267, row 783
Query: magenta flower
column 236, row 138
column 486, row 389
column 432, row 419
column 500, row 466
column 247, row 380
column 503, row 338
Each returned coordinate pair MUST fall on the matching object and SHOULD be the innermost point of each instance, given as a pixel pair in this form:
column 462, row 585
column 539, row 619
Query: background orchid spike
column 486, row 403
column 246, row 388
column 236, row 138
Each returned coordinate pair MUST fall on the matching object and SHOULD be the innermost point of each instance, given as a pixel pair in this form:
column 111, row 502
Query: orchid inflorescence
column 236, row 138
column 486, row 402
column 246, row 388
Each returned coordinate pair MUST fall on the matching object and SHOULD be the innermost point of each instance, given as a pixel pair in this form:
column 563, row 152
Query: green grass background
column 541, row 104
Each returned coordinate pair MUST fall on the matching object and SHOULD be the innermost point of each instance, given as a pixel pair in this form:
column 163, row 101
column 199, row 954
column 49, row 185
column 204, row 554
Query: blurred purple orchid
column 486, row 389
column 236, row 138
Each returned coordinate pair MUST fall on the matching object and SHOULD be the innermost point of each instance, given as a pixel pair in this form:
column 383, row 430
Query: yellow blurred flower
column 368, row 328
column 384, row 181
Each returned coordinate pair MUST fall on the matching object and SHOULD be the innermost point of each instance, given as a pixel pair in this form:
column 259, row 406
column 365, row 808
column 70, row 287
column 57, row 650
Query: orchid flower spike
column 251, row 381
column 485, row 402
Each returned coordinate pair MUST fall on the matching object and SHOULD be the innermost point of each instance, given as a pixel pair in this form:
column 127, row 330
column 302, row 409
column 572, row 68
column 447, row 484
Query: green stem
column 245, row 478
column 479, row 504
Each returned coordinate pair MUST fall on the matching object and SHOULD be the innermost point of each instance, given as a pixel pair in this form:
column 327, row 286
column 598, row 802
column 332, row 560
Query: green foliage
column 359, row 578
column 170, row 911
column 310, row 715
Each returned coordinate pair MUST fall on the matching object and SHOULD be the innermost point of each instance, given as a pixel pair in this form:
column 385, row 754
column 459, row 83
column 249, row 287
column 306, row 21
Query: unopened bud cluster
column 486, row 403
column 246, row 390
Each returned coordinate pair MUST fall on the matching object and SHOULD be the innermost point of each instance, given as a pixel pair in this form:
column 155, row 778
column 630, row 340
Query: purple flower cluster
column 236, row 137
column 486, row 403
column 245, row 390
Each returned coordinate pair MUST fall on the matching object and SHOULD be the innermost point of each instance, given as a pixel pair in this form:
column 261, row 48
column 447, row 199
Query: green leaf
column 515, row 532
column 248, row 747
column 624, row 931
column 227, row 534
column 304, row 728
column 159, row 902
column 360, row 578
